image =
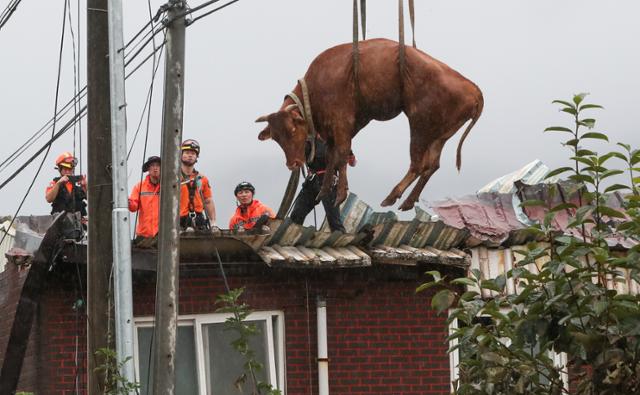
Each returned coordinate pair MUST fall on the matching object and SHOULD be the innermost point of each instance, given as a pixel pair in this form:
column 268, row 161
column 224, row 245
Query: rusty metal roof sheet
column 489, row 218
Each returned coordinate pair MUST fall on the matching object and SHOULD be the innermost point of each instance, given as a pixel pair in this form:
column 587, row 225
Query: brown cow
column 437, row 100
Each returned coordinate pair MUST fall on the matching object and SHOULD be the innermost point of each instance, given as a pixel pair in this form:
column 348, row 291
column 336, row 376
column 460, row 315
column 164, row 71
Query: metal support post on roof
column 99, row 188
column 164, row 342
column 123, row 300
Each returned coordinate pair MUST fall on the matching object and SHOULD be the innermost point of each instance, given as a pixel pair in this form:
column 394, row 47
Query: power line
column 55, row 111
column 212, row 11
column 8, row 11
column 76, row 100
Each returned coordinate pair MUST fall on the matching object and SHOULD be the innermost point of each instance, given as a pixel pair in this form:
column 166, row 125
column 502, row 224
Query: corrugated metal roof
column 7, row 243
column 493, row 262
column 532, row 173
column 489, row 218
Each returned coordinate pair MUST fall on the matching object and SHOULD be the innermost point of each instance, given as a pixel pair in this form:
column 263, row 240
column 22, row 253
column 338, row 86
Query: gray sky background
column 242, row 60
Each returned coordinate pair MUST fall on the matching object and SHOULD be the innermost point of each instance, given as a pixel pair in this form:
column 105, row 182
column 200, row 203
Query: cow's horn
column 290, row 107
column 263, row 118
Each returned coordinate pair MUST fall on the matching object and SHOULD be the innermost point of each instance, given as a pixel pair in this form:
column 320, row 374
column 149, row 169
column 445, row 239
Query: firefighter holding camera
column 68, row 192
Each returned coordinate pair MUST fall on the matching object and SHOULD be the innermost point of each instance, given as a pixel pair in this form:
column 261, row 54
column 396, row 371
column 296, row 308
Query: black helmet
column 192, row 145
column 150, row 160
column 244, row 185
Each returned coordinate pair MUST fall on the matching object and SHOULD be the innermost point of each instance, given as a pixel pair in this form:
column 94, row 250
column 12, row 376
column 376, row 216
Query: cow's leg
column 417, row 148
column 432, row 159
column 337, row 154
column 342, row 188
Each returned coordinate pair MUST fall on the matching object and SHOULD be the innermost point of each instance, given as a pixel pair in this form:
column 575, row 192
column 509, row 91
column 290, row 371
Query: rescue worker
column 68, row 192
column 306, row 199
column 145, row 199
column 250, row 212
column 197, row 210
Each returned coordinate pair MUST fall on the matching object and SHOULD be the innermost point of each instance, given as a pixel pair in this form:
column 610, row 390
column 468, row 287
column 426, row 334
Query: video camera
column 72, row 179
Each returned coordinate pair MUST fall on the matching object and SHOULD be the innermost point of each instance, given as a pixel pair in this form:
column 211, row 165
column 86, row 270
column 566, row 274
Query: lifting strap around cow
column 305, row 110
column 356, row 36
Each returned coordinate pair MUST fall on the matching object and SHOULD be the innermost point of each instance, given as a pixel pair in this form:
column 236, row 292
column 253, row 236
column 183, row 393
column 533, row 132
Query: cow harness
column 305, row 110
column 195, row 185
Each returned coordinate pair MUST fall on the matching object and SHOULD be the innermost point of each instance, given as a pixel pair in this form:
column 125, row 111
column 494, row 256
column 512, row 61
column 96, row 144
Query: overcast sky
column 241, row 61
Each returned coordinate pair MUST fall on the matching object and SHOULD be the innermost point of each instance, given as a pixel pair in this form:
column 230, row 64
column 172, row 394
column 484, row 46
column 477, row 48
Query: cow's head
column 289, row 130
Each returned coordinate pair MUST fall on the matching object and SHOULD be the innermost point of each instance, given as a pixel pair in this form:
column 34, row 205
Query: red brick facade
column 382, row 337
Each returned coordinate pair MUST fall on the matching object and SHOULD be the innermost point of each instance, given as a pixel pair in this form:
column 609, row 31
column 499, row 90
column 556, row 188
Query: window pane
column 224, row 365
column 186, row 368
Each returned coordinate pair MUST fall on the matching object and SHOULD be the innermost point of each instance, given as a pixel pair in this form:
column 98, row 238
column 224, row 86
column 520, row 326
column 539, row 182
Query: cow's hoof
column 389, row 201
column 407, row 205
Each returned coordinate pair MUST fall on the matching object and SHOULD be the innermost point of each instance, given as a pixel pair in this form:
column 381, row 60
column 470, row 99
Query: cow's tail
column 474, row 119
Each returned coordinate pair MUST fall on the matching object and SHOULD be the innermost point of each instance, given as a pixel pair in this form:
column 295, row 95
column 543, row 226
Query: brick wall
column 383, row 339
column 11, row 282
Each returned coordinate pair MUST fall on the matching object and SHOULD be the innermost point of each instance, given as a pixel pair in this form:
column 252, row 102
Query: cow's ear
column 265, row 134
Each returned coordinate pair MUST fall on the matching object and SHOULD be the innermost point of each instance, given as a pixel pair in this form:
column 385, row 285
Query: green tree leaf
column 464, row 281
column 588, row 106
column 558, row 171
column 565, row 103
column 558, row 129
column 577, row 99
column 595, row 135
column 442, row 300
column 615, row 187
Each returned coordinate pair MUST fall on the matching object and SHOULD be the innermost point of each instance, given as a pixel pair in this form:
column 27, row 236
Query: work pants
column 306, row 201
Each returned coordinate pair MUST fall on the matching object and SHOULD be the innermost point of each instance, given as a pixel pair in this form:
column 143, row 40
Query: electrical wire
column 64, row 129
column 55, row 111
column 156, row 63
column 76, row 99
column 212, row 11
column 47, row 126
column 75, row 76
column 8, row 11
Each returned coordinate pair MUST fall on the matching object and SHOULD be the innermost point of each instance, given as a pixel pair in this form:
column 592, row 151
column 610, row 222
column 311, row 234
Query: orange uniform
column 67, row 185
column 196, row 188
column 145, row 198
column 247, row 216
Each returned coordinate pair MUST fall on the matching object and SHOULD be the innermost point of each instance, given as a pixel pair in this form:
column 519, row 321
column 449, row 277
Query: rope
column 402, row 50
column 311, row 133
column 237, row 316
column 412, row 18
column 363, row 18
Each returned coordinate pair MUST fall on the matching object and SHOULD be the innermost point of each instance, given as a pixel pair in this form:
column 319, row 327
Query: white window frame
column 199, row 320
column 559, row 359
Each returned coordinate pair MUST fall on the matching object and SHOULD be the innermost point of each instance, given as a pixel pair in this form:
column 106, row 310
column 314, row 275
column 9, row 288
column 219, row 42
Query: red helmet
column 66, row 159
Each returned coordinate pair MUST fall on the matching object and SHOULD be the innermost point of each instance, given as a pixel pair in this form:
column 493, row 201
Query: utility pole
column 168, row 239
column 120, row 216
column 100, row 258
